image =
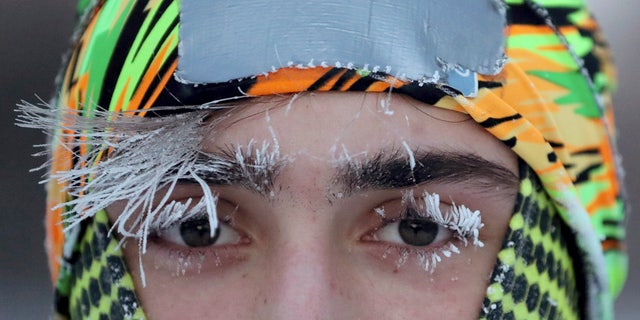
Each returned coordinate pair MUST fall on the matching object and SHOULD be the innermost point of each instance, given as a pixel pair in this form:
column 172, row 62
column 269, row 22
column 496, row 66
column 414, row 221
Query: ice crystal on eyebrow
column 129, row 159
column 252, row 166
column 412, row 159
column 255, row 166
column 342, row 157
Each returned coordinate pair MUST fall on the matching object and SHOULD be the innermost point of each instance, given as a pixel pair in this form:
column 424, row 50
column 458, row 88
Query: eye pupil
column 417, row 232
column 197, row 233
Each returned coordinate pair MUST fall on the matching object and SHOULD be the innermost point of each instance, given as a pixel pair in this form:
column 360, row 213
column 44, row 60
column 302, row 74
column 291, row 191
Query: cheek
column 455, row 289
column 228, row 292
column 359, row 286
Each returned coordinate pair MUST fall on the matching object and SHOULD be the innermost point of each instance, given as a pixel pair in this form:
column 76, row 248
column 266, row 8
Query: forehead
column 330, row 126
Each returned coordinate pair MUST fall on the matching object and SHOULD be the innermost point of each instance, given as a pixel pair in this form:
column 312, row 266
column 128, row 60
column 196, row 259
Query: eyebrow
column 235, row 166
column 395, row 169
column 386, row 169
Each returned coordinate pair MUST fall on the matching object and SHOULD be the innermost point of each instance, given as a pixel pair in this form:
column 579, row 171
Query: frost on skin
column 385, row 105
column 380, row 212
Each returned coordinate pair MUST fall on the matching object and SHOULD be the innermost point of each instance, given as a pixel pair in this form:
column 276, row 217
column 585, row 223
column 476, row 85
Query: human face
column 336, row 225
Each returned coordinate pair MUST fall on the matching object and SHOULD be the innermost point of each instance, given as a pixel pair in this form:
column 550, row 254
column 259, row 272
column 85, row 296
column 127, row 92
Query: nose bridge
column 300, row 274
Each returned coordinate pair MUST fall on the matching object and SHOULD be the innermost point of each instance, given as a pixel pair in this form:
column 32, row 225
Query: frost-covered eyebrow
column 255, row 170
column 395, row 169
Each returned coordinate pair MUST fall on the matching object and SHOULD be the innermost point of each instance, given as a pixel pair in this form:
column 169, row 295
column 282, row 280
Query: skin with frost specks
column 324, row 229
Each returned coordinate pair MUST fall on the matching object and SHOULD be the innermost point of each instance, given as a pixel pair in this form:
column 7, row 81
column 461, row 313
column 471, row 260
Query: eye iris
column 417, row 232
column 197, row 233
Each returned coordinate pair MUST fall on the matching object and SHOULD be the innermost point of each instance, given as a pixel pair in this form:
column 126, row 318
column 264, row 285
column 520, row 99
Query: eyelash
column 192, row 259
column 147, row 227
column 463, row 223
column 460, row 220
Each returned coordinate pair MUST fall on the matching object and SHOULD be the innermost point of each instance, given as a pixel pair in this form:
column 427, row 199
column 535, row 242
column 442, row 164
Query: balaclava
column 536, row 74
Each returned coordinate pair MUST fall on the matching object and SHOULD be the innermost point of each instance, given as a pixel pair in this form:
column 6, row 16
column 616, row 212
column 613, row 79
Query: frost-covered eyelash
column 464, row 223
column 148, row 157
column 177, row 212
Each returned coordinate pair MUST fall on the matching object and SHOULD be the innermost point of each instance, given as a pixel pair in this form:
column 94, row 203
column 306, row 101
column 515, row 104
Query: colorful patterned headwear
column 549, row 101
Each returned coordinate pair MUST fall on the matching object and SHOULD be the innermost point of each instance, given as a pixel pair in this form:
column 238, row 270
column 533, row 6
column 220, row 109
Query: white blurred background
column 35, row 34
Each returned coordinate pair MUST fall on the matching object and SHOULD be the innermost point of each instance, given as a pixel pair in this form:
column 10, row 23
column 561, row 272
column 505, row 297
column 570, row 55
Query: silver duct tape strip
column 429, row 41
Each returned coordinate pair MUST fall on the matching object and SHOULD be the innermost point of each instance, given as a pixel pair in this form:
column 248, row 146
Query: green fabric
column 101, row 286
column 534, row 276
column 125, row 40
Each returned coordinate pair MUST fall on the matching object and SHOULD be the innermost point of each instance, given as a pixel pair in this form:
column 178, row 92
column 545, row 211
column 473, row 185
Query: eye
column 196, row 232
column 416, row 232
column 413, row 232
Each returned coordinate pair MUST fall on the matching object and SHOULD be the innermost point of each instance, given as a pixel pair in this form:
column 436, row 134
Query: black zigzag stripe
column 343, row 79
column 489, row 84
column 492, row 122
column 161, row 9
column 121, row 50
column 362, row 84
column 172, row 56
column 428, row 93
column 522, row 14
column 584, row 174
column 325, row 77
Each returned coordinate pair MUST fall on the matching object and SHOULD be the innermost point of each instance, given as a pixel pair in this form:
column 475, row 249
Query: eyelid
column 387, row 234
column 410, row 206
column 458, row 218
column 185, row 203
column 185, row 189
column 393, row 212
column 172, row 234
column 462, row 223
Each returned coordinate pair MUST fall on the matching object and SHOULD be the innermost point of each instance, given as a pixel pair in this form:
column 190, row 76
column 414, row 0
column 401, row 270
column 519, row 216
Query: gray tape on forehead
column 418, row 40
